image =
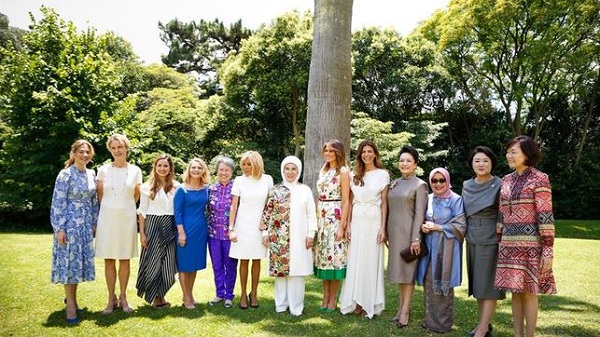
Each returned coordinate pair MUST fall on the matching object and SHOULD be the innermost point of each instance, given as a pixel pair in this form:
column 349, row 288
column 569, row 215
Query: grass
column 32, row 306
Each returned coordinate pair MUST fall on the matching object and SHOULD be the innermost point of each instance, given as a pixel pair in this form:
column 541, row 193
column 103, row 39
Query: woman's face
column 329, row 154
column 118, row 150
column 224, row 173
column 290, row 172
column 162, row 168
column 196, row 170
column 439, row 185
column 367, row 155
column 516, row 158
column 482, row 164
column 407, row 164
column 247, row 167
column 82, row 155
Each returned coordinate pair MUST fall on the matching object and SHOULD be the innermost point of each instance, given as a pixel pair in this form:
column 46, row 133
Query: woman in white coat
column 289, row 226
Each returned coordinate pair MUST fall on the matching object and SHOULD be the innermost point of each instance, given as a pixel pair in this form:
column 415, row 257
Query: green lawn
column 32, row 306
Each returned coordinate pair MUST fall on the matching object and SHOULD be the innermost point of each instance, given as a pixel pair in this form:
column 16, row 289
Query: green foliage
column 9, row 35
column 201, row 47
column 265, row 87
column 519, row 53
column 396, row 78
column 62, row 85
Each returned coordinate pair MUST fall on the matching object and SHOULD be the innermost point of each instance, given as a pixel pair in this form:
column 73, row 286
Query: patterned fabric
column 527, row 225
column 158, row 265
column 330, row 255
column 276, row 219
column 219, row 205
column 74, row 210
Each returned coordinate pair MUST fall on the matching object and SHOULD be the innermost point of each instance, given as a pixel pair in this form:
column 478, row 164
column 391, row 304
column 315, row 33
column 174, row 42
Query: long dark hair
column 155, row 182
column 359, row 166
column 340, row 155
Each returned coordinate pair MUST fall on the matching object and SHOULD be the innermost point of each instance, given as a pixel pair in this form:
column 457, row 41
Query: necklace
column 118, row 185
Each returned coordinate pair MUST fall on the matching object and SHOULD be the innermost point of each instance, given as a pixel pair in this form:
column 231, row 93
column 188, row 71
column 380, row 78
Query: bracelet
column 230, row 229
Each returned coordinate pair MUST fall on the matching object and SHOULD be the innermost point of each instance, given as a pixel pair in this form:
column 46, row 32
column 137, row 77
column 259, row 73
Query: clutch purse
column 408, row 257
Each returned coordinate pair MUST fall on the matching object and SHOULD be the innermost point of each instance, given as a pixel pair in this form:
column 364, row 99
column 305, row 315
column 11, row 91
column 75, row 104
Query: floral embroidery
column 276, row 220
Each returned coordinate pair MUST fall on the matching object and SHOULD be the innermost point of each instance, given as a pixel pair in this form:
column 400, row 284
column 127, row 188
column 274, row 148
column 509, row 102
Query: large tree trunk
column 329, row 83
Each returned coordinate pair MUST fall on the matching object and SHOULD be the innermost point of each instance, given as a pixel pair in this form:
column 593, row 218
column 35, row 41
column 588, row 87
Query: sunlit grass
column 32, row 306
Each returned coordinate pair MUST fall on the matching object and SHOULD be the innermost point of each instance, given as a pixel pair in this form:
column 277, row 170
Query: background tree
column 9, row 34
column 62, row 85
column 265, row 85
column 522, row 53
column 200, row 47
column 330, row 83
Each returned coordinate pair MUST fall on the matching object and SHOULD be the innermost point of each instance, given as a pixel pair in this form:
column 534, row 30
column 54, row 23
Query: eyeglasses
column 438, row 181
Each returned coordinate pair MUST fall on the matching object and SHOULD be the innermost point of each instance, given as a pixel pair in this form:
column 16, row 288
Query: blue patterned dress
column 74, row 210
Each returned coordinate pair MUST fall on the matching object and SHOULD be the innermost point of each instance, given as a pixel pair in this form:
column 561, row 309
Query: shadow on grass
column 578, row 229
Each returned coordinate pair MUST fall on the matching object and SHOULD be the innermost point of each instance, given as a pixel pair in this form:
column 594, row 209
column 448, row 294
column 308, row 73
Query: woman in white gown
column 363, row 289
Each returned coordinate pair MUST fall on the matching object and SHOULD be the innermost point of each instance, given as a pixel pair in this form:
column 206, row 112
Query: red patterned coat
column 527, row 227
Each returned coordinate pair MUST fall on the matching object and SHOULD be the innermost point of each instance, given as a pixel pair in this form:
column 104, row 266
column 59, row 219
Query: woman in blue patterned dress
column 73, row 215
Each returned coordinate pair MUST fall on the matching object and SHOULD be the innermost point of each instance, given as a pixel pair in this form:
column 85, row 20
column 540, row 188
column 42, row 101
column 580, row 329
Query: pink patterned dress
column 527, row 224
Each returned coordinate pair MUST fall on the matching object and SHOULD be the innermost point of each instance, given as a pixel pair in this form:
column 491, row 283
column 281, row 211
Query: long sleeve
column 545, row 217
column 59, row 207
column 457, row 225
column 144, row 201
column 311, row 213
column 420, row 209
column 179, row 205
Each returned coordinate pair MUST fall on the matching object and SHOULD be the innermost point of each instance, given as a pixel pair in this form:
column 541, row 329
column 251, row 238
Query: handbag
column 408, row 257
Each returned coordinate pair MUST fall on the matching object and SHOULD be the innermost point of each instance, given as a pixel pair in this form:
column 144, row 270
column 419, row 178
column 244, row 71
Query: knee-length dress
column 252, row 195
column 527, row 233
column 158, row 265
column 407, row 202
column 190, row 211
column 116, row 235
column 364, row 284
column 330, row 256
column 74, row 210
column 481, row 209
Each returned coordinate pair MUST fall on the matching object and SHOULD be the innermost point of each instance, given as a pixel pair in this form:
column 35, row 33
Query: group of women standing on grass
column 507, row 223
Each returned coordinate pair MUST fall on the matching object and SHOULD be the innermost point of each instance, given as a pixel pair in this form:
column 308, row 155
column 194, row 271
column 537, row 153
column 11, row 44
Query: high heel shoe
column 254, row 306
column 110, row 307
column 124, row 305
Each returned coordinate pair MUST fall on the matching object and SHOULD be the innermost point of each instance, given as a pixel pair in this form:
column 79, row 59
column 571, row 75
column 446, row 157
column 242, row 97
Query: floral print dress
column 330, row 255
column 74, row 210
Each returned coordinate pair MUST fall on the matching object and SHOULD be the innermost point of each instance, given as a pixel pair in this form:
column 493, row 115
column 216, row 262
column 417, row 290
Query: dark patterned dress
column 527, row 224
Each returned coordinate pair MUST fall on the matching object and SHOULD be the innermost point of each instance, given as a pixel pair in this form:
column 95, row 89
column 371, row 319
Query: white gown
column 364, row 284
column 252, row 195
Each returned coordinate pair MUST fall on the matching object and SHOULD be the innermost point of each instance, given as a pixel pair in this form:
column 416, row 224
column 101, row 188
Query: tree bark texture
column 329, row 83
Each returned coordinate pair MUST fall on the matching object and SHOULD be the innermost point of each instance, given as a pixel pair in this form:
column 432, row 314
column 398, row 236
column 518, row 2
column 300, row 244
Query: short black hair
column 485, row 150
column 529, row 148
column 410, row 150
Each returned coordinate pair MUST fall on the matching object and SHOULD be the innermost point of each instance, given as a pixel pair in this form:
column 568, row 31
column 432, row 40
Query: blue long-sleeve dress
column 74, row 210
column 189, row 206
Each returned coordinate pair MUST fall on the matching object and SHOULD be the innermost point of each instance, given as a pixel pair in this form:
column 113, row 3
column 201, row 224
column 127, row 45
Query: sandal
column 215, row 301
column 228, row 303
column 124, row 305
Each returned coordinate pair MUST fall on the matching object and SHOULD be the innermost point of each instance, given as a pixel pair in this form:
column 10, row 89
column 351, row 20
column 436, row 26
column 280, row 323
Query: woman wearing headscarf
column 289, row 225
column 441, row 270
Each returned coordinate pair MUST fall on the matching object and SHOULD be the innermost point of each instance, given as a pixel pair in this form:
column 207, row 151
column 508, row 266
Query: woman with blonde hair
column 192, row 230
column 73, row 215
column 157, row 233
column 331, row 247
column 249, row 197
column 116, row 238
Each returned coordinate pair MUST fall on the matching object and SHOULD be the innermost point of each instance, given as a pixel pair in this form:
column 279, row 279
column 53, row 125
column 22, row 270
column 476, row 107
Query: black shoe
column 250, row 301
